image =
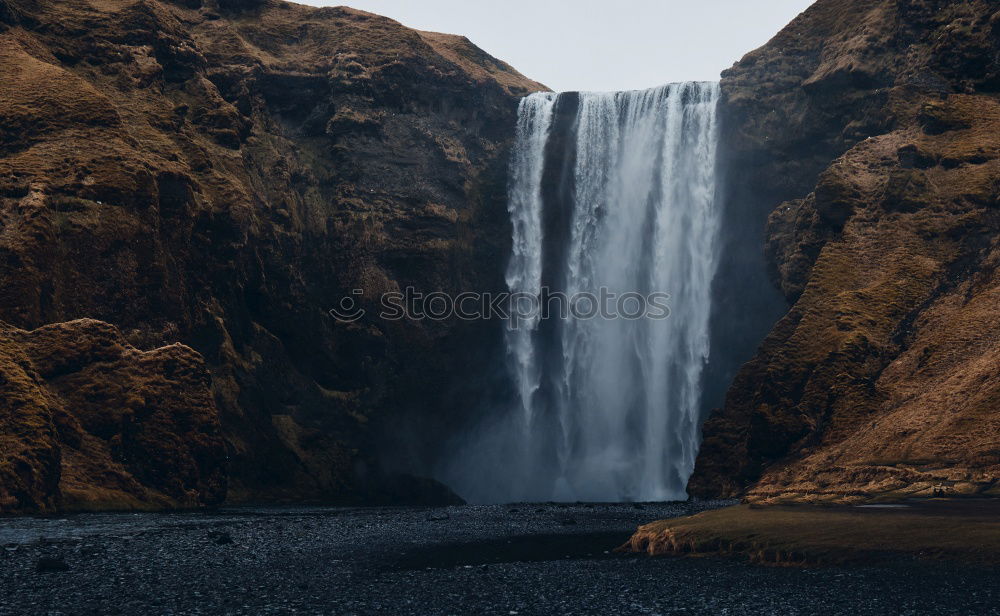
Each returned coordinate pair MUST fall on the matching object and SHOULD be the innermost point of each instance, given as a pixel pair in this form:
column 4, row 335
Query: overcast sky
column 601, row 44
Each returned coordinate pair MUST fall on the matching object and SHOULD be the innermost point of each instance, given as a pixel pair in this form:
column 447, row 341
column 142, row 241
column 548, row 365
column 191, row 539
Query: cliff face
column 90, row 422
column 873, row 128
column 221, row 174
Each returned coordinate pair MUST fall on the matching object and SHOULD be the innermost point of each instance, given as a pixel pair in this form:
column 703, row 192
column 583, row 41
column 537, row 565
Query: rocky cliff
column 90, row 422
column 871, row 130
column 221, row 173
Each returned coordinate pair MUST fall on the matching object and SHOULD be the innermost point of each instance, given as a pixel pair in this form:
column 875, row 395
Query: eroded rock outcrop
column 222, row 174
column 90, row 422
column 882, row 381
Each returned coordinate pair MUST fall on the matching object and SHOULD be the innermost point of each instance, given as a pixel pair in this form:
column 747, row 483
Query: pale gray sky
column 601, row 44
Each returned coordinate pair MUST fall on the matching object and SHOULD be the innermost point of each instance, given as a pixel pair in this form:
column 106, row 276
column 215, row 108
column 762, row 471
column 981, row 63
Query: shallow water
column 524, row 559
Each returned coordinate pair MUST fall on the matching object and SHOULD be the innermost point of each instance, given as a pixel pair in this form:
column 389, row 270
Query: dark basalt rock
column 8, row 16
column 221, row 538
column 51, row 564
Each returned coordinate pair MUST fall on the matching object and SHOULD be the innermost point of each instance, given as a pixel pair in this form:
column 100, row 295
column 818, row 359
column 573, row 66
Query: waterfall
column 524, row 273
column 610, row 194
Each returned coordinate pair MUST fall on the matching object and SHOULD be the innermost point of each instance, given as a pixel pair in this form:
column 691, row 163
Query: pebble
column 395, row 561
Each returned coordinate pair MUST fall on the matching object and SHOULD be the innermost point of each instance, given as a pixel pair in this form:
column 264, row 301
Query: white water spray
column 607, row 409
column 524, row 273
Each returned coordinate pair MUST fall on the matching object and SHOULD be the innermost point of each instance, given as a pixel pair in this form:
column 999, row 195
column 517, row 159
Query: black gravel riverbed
column 506, row 560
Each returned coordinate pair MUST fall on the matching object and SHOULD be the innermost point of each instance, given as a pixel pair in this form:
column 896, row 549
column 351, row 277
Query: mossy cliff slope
column 878, row 125
column 89, row 422
column 221, row 174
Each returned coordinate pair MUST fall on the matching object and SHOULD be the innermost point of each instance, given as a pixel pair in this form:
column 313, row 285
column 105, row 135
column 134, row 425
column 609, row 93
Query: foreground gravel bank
column 523, row 559
column 965, row 530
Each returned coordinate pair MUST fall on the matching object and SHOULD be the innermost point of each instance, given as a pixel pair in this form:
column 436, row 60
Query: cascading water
column 524, row 273
column 607, row 409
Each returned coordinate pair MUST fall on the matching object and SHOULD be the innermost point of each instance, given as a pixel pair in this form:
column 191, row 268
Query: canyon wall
column 871, row 132
column 220, row 174
column 188, row 186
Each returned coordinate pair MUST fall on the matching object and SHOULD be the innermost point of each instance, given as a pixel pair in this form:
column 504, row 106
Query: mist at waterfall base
column 614, row 191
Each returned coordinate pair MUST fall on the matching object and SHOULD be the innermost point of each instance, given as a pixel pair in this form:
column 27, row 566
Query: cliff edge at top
column 872, row 129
